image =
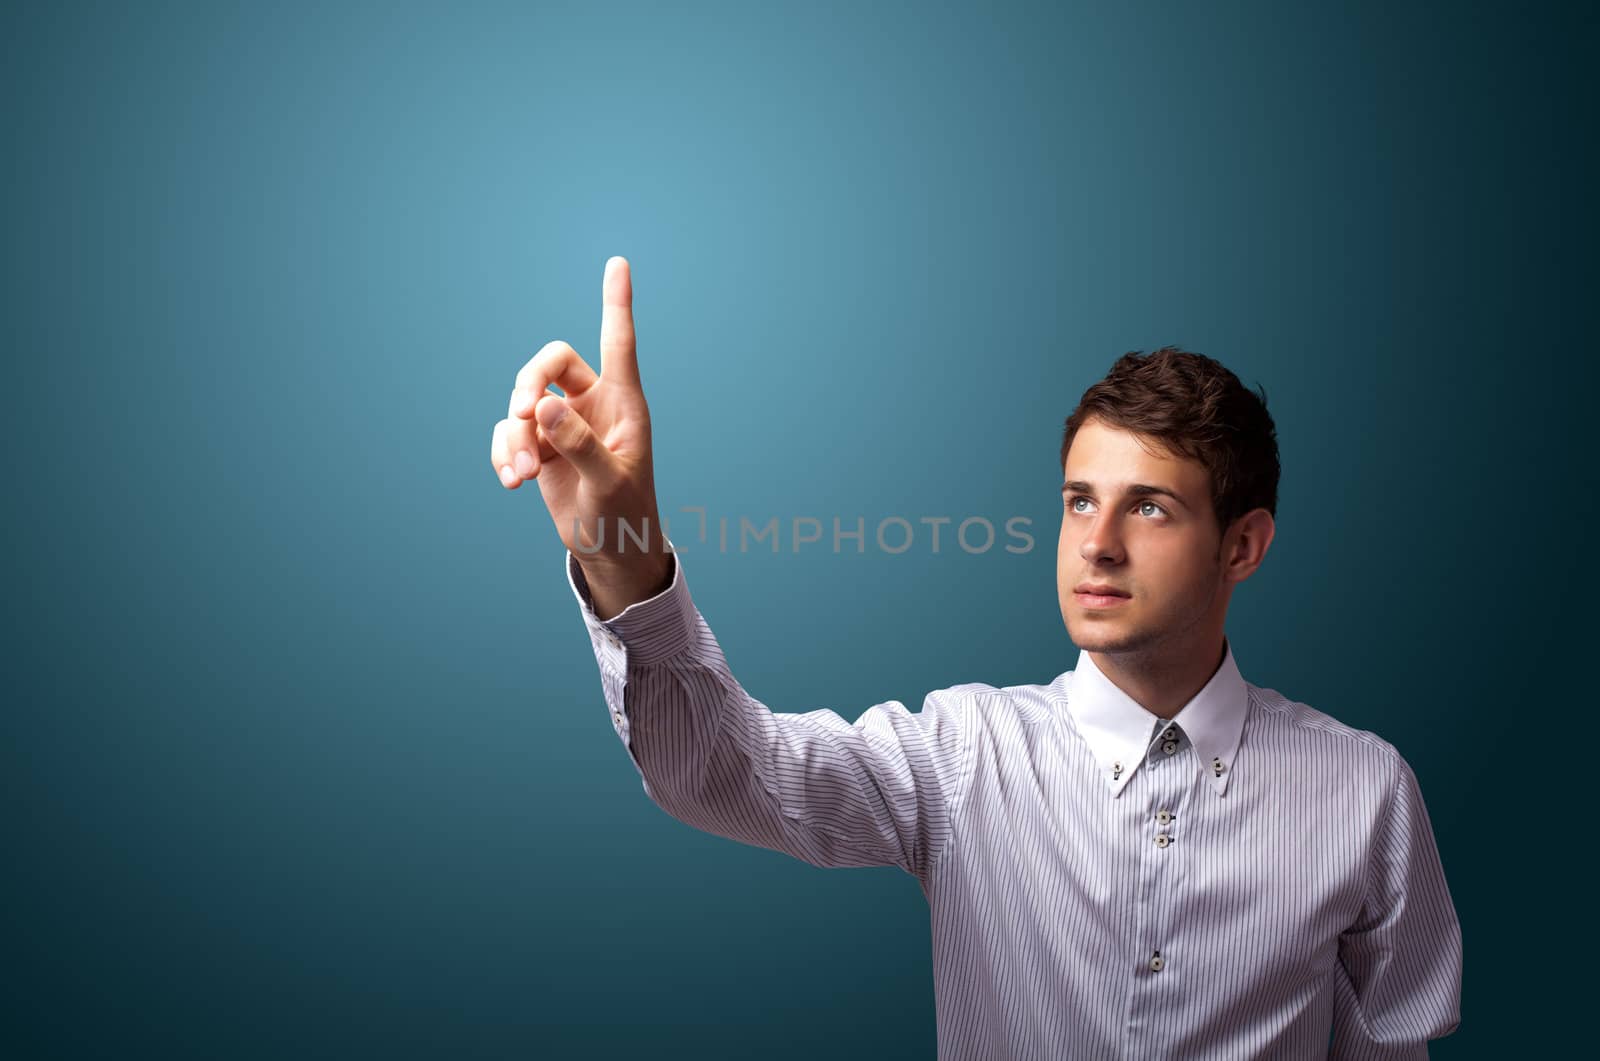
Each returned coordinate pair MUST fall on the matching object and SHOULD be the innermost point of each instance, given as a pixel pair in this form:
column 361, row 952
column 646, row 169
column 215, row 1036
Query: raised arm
column 879, row 791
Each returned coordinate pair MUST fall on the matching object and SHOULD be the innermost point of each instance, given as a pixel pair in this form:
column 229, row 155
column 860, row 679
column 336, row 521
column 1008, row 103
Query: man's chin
column 1092, row 636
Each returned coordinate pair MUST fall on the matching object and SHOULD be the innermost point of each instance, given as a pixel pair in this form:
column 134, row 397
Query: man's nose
column 1102, row 541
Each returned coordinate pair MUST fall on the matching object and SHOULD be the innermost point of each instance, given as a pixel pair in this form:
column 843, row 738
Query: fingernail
column 557, row 409
column 525, row 465
column 508, row 476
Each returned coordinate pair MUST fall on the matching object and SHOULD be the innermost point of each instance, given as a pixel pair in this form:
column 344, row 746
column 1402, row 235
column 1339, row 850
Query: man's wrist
column 615, row 586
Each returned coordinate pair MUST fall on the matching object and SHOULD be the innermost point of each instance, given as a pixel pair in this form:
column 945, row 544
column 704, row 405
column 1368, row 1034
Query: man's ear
column 1246, row 544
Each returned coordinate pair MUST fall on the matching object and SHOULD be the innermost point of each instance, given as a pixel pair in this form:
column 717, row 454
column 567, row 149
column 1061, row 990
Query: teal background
column 305, row 753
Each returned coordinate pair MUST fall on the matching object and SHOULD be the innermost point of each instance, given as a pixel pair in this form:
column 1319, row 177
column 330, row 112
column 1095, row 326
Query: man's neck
column 1162, row 687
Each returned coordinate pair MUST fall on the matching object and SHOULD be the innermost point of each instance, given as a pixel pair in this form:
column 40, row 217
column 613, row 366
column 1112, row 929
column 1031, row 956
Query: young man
column 1147, row 857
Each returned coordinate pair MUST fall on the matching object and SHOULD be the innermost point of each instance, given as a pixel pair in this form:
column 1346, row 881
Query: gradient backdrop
column 305, row 753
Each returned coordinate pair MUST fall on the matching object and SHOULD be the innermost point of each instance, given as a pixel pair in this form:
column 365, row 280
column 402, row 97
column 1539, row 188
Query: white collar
column 1120, row 731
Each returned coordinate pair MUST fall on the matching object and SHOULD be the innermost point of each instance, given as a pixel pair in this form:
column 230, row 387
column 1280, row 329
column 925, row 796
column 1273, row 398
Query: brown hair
column 1195, row 407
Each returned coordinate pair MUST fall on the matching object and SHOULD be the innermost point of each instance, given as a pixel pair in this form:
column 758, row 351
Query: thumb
column 574, row 439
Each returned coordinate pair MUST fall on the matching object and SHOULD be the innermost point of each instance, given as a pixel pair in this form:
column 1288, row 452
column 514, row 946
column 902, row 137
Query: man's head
column 1170, row 468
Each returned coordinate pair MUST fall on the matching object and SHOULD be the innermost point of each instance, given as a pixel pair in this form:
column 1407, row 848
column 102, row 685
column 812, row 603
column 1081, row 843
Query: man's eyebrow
column 1078, row 486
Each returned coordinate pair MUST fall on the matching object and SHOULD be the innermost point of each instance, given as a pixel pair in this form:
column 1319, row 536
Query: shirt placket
column 1161, row 791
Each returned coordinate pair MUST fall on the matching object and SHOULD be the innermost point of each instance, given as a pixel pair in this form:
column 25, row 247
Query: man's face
column 1164, row 552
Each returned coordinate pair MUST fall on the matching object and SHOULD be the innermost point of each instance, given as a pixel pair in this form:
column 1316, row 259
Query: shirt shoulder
column 985, row 703
column 967, row 692
column 1030, row 703
column 1283, row 717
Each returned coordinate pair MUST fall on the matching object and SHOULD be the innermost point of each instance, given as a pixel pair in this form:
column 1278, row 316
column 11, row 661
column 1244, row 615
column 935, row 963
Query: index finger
column 618, row 358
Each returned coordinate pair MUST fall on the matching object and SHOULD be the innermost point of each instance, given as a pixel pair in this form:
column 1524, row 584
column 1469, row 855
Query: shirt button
column 1164, row 817
column 1155, row 961
column 1170, row 747
column 1170, row 734
column 1216, row 764
column 1163, row 840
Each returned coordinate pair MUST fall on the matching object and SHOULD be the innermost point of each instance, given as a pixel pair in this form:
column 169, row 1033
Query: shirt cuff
column 644, row 632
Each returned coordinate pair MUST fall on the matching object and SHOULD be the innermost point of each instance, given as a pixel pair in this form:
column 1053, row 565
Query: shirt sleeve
column 877, row 792
column 1399, row 972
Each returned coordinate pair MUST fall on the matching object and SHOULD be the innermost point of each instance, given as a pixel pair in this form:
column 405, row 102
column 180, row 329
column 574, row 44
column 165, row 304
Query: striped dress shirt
column 1251, row 879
